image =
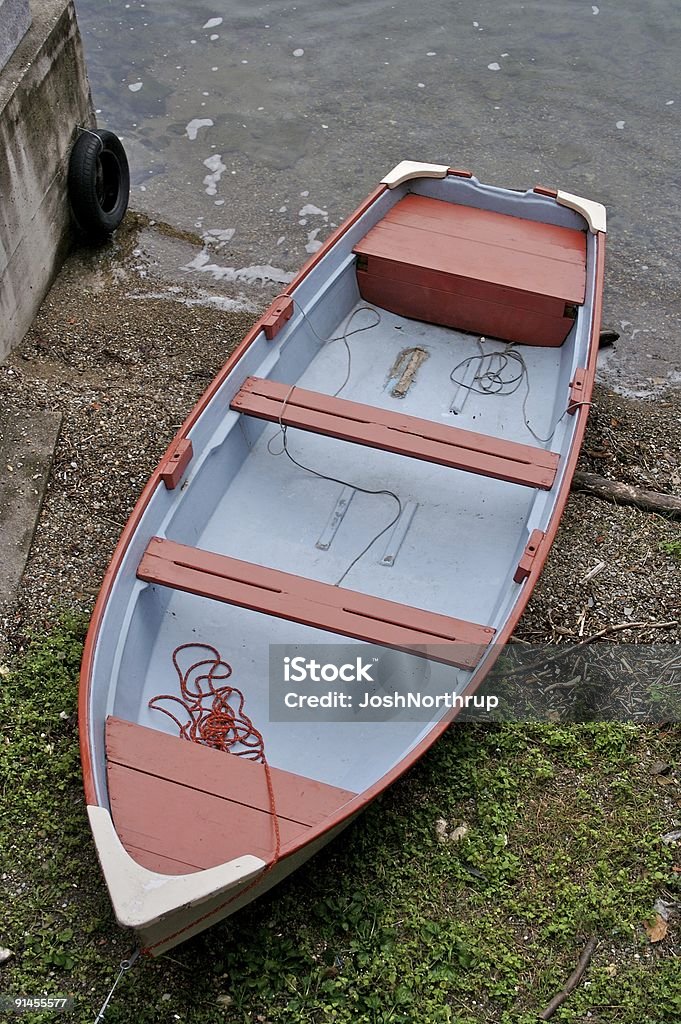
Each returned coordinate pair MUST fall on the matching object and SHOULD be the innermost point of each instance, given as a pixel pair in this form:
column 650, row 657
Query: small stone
column 444, row 835
column 5, row 954
column 458, row 833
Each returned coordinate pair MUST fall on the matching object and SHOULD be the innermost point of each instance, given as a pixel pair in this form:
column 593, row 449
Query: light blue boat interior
column 242, row 497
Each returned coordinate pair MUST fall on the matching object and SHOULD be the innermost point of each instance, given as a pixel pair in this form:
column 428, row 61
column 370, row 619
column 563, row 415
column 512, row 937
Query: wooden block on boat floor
column 476, row 270
column 180, row 806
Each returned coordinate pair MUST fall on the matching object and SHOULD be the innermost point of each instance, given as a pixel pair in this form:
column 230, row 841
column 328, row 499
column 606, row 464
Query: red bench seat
column 396, row 432
column 322, row 605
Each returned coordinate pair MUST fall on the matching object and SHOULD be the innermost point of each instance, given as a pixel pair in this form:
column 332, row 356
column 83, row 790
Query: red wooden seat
column 476, row 270
column 396, row 432
column 179, row 807
column 348, row 612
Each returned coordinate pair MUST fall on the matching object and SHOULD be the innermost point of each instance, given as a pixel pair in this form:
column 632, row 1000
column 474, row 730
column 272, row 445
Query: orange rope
column 211, row 718
column 214, row 722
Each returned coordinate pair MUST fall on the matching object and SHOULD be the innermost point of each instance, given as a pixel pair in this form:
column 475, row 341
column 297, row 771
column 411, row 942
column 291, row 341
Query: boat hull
column 446, row 594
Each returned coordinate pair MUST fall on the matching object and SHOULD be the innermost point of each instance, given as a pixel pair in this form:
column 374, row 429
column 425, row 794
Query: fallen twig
column 563, row 650
column 564, row 686
column 619, row 493
column 624, row 625
column 573, row 980
column 598, row 567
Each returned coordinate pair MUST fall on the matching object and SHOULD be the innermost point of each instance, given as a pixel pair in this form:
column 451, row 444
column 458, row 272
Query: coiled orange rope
column 215, row 714
column 216, row 718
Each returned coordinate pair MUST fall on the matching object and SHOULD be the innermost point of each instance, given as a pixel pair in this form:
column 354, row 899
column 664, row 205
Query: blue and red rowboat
column 429, row 371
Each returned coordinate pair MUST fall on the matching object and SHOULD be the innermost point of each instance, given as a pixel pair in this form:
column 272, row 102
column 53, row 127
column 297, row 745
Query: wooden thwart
column 395, row 432
column 180, row 807
column 287, row 596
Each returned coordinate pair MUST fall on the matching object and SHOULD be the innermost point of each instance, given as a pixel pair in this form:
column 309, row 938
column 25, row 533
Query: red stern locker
column 475, row 270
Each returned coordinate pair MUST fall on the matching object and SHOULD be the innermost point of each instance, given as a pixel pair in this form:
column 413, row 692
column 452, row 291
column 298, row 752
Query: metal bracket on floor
column 398, row 533
column 336, row 518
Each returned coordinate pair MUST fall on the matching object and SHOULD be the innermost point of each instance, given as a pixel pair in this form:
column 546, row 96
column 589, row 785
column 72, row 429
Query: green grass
column 388, row 924
column 671, row 547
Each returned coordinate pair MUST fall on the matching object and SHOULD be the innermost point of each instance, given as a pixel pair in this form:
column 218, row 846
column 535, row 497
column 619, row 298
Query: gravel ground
column 638, row 443
column 124, row 371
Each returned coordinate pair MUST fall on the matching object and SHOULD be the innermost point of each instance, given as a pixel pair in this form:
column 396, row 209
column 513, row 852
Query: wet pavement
column 260, row 127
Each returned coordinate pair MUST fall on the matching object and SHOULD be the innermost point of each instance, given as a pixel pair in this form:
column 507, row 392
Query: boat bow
column 142, row 898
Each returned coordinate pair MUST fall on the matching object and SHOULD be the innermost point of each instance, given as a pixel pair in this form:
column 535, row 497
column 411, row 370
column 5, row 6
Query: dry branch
column 572, row 982
column 619, row 493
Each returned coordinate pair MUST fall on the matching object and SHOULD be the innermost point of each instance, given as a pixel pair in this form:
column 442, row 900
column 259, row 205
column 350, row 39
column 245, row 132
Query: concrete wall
column 44, row 94
column 15, row 17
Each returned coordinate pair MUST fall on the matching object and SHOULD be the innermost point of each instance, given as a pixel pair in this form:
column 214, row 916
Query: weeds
column 389, row 923
column 671, row 547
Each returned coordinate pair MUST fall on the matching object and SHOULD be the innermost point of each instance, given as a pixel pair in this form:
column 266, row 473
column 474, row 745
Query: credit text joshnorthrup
column 300, row 670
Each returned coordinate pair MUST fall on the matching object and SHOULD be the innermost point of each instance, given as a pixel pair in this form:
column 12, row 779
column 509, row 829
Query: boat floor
column 453, row 559
column 446, row 541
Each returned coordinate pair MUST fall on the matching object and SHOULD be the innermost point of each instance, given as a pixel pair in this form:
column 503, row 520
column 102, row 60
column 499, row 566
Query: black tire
column 98, row 183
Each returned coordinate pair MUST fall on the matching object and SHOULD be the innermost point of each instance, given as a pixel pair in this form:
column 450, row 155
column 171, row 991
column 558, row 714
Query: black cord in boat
column 492, row 378
column 347, row 333
column 344, row 483
column 323, row 476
